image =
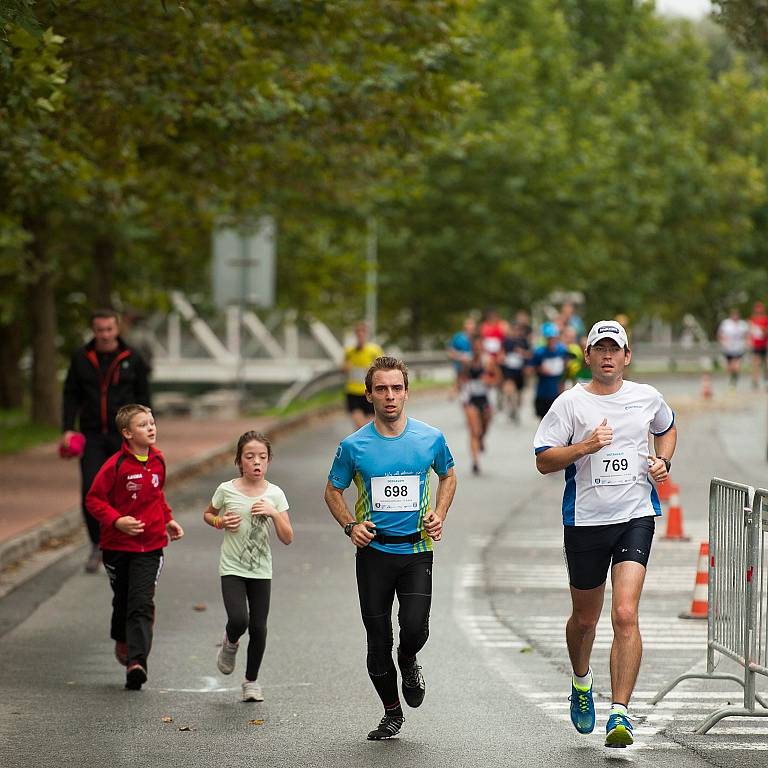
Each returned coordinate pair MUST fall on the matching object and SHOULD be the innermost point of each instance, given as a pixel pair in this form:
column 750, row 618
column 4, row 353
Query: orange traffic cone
column 675, row 516
column 664, row 490
column 706, row 386
column 700, row 602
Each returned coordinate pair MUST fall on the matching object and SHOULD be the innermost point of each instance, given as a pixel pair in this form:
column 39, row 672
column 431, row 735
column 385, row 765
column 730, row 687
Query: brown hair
column 386, row 364
column 247, row 437
column 126, row 414
column 104, row 313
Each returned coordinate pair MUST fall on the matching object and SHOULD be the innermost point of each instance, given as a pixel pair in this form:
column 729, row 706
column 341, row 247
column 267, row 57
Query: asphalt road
column 495, row 664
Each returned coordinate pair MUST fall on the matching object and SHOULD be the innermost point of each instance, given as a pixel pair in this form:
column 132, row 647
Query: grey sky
column 693, row 9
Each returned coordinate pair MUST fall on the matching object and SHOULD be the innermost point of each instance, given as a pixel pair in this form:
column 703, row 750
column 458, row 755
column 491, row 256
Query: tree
column 746, row 21
column 176, row 114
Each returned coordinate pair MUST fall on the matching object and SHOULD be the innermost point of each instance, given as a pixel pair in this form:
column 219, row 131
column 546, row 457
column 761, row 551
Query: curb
column 70, row 522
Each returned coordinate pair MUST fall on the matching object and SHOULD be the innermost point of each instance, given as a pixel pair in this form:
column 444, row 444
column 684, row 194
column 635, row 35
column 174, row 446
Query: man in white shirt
column 733, row 335
column 599, row 434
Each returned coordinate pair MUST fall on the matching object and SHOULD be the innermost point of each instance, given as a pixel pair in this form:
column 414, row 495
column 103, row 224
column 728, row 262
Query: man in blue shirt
column 460, row 348
column 393, row 529
column 549, row 361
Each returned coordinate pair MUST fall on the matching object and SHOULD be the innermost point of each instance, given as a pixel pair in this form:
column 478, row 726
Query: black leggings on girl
column 246, row 602
column 381, row 576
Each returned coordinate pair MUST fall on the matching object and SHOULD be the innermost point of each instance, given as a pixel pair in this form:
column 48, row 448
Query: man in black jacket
column 103, row 376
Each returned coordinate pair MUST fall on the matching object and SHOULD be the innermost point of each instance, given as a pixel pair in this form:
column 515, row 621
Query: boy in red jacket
column 127, row 499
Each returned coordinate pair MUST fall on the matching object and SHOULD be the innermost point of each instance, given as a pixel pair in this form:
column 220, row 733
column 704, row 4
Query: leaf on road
column 526, row 649
column 186, row 728
column 256, row 722
column 200, row 607
column 167, row 719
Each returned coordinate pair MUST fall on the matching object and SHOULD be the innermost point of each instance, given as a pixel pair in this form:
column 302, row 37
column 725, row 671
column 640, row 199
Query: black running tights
column 246, row 602
column 381, row 576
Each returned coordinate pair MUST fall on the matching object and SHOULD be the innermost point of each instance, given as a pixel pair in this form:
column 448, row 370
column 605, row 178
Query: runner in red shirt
column 758, row 335
column 492, row 331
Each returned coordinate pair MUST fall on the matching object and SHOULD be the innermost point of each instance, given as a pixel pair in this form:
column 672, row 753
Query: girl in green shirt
column 243, row 509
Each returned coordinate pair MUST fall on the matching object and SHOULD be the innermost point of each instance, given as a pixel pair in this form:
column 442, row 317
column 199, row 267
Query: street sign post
column 243, row 264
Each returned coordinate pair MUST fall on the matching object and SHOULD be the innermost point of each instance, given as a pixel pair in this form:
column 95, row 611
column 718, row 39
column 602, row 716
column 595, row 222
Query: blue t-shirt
column 460, row 343
column 550, row 365
column 392, row 479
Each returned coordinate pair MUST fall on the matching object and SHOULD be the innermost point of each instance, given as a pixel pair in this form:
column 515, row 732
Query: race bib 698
column 395, row 493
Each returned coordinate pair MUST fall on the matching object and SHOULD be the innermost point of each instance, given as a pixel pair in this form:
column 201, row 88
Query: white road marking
column 211, row 685
column 489, row 633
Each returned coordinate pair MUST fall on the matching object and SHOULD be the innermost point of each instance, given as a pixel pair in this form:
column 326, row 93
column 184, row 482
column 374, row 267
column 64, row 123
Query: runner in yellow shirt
column 357, row 360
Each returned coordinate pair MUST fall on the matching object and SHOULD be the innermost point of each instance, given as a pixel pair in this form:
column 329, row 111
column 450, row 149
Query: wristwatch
column 349, row 526
column 667, row 462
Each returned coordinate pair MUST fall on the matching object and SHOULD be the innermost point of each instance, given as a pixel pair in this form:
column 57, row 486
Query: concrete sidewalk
column 40, row 492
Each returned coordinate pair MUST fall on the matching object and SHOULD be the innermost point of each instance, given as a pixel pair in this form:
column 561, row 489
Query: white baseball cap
column 608, row 329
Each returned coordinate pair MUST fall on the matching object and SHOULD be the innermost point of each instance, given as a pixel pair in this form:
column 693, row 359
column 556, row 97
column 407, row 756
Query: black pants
column 246, row 602
column 381, row 576
column 98, row 448
column 133, row 577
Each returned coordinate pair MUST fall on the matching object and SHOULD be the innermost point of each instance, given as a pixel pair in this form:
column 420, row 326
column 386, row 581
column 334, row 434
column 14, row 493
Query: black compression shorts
column 514, row 374
column 480, row 402
column 359, row 403
column 591, row 549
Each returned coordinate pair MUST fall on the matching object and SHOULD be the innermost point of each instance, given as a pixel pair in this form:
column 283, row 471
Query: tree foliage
column 504, row 149
column 746, row 21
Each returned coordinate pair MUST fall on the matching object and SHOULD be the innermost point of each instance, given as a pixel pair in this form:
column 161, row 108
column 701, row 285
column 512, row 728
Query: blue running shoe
column 582, row 709
column 618, row 731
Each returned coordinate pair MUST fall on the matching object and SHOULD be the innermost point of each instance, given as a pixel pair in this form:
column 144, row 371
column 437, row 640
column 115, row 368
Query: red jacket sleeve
column 167, row 514
column 97, row 500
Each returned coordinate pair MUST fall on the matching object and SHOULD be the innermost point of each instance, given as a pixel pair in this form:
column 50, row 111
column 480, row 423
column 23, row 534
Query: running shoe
column 388, row 727
column 618, row 731
column 582, row 709
column 121, row 652
column 413, row 685
column 225, row 660
column 252, row 691
column 135, row 677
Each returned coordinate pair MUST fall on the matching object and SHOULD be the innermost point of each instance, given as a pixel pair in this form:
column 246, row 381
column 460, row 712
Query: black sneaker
column 135, row 677
column 413, row 685
column 388, row 727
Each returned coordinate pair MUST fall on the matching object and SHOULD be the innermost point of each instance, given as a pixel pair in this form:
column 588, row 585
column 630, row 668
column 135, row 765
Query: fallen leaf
column 256, row 722
column 186, row 728
column 200, row 607
column 526, row 649
column 167, row 719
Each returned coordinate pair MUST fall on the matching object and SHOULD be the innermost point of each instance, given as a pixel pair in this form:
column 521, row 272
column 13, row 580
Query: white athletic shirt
column 612, row 485
column 733, row 335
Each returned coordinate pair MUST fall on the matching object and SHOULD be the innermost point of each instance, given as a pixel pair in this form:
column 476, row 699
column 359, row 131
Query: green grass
column 320, row 400
column 17, row 432
column 335, row 396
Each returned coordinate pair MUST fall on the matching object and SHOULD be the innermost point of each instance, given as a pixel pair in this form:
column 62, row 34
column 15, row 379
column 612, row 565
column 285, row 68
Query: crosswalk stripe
column 679, row 706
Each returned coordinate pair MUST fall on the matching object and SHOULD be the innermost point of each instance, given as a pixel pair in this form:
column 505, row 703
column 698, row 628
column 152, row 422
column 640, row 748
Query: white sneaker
column 225, row 661
column 252, row 691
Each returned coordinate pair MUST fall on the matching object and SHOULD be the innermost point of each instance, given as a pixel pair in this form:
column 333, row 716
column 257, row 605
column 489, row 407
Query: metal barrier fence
column 737, row 615
column 758, row 657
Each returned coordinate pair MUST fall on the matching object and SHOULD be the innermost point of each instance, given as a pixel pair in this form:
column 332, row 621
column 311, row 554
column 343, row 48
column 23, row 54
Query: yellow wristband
column 216, row 522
